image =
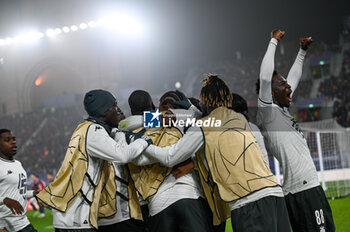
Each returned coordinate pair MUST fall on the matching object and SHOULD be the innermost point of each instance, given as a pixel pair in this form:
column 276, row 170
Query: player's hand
column 36, row 192
column 14, row 206
column 3, row 230
column 147, row 139
column 305, row 42
column 277, row 34
column 184, row 103
column 183, row 168
column 131, row 137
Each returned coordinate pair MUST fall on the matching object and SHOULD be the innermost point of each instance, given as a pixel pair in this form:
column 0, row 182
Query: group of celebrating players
column 119, row 176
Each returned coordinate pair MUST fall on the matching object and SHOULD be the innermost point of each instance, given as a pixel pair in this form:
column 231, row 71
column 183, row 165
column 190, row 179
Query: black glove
column 147, row 139
column 131, row 137
column 184, row 103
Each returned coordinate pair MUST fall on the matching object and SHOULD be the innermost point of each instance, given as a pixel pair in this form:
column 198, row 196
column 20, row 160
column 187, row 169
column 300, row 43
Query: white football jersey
column 13, row 182
column 285, row 141
column 122, row 197
column 99, row 146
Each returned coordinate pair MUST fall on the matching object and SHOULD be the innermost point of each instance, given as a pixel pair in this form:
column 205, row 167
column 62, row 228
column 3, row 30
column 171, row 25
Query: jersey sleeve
column 29, row 194
column 143, row 160
column 266, row 71
column 178, row 152
column 100, row 145
column 2, row 200
column 295, row 72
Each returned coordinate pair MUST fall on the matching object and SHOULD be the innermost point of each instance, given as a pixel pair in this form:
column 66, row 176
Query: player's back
column 284, row 139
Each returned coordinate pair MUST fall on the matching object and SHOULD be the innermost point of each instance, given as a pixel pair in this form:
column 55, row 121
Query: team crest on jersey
column 9, row 172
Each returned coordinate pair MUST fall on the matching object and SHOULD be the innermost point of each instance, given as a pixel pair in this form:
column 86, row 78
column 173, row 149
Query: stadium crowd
column 43, row 137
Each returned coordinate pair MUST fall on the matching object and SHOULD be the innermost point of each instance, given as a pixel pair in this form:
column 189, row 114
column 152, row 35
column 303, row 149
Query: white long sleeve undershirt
column 101, row 145
column 266, row 71
column 178, row 152
column 296, row 70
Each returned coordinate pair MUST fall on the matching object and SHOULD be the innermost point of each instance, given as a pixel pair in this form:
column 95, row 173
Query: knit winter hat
column 97, row 102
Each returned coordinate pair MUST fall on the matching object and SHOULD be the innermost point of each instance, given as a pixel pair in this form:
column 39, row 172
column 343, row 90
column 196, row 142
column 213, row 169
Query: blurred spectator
column 50, row 178
column 38, row 185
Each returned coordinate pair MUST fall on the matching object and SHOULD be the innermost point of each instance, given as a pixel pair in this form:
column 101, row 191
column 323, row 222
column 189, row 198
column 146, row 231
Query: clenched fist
column 305, row 42
column 277, row 34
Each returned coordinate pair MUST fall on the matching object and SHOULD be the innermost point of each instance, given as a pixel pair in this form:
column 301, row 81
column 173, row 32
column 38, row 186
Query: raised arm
column 178, row 152
column 268, row 66
column 295, row 72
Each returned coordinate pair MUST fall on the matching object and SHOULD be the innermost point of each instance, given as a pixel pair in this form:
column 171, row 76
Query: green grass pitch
column 340, row 208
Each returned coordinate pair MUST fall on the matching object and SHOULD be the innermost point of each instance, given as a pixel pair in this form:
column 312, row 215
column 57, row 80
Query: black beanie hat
column 97, row 102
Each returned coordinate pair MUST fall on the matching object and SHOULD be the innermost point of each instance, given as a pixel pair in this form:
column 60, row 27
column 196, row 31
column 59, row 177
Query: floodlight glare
column 9, row 40
column 58, row 31
column 92, row 24
column 83, row 26
column 74, row 28
column 50, row 32
column 17, row 39
column 178, row 85
column 65, row 29
column 30, row 36
column 123, row 23
column 100, row 22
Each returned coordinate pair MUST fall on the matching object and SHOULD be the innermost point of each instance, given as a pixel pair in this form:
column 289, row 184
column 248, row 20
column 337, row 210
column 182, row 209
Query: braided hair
column 215, row 92
column 169, row 98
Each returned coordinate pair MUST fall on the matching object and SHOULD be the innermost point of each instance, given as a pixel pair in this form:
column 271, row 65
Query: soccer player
column 38, row 185
column 84, row 188
column 176, row 203
column 239, row 104
column 13, row 191
column 124, row 220
column 307, row 205
column 232, row 168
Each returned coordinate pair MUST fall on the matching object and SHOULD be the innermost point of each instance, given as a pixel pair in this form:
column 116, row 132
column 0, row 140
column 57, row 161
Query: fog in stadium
column 159, row 44
column 53, row 52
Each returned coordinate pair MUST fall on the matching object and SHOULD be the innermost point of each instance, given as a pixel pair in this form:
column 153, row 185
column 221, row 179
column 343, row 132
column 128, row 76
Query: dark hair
column 139, row 101
column 169, row 98
column 240, row 105
column 257, row 84
column 215, row 92
column 4, row 131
